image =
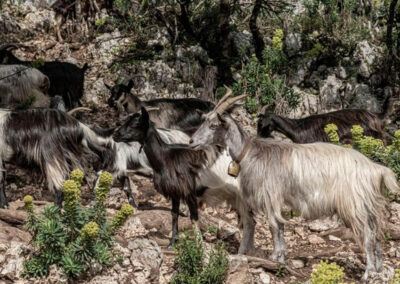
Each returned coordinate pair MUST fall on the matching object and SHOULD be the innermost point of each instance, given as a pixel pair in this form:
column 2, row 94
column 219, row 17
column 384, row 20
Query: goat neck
column 154, row 148
column 286, row 126
column 236, row 139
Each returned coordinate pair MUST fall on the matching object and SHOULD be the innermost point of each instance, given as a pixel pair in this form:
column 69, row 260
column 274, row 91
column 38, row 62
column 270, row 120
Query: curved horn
column 8, row 46
column 264, row 108
column 226, row 104
column 228, row 93
column 72, row 111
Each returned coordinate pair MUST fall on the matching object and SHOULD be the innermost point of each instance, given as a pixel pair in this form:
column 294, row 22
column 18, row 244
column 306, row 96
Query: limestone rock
column 238, row 270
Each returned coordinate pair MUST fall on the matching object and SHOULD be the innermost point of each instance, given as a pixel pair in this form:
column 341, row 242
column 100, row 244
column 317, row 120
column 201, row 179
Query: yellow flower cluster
column 77, row 176
column 122, row 215
column 28, row 203
column 396, row 279
column 370, row 145
column 89, row 231
column 103, row 187
column 326, row 273
column 396, row 140
column 331, row 130
column 277, row 38
column 357, row 132
column 71, row 192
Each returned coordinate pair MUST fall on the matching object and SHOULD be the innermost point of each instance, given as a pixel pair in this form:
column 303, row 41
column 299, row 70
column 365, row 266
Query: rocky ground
column 142, row 241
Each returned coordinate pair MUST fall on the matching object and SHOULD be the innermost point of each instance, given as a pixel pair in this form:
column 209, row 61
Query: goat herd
column 197, row 153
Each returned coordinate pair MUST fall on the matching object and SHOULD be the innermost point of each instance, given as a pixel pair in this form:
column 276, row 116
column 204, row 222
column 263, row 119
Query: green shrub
column 371, row 147
column 75, row 238
column 327, row 273
column 263, row 81
column 191, row 264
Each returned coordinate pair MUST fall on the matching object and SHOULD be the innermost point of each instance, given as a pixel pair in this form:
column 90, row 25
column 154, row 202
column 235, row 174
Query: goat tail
column 390, row 181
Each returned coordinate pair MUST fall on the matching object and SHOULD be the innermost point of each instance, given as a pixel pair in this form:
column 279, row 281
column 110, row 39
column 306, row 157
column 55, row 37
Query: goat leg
column 175, row 216
column 126, row 185
column 277, row 230
column 249, row 224
column 3, row 197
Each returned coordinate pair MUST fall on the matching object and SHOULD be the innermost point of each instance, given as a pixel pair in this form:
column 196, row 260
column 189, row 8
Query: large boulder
column 363, row 98
column 366, row 55
column 330, row 92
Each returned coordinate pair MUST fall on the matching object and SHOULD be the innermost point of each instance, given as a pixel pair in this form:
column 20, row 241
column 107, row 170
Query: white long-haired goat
column 317, row 179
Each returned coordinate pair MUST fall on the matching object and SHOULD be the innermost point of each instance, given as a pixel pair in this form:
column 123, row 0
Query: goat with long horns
column 318, row 179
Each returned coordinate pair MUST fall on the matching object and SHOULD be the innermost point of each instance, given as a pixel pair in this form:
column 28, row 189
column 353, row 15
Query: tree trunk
column 390, row 74
column 222, row 48
column 259, row 44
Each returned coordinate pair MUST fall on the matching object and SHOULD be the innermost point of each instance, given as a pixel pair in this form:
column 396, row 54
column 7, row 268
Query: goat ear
column 130, row 85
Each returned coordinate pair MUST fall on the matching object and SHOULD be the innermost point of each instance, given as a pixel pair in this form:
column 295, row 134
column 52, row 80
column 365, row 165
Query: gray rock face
column 362, row 97
column 293, row 43
column 330, row 92
column 8, row 25
column 146, row 259
column 366, row 54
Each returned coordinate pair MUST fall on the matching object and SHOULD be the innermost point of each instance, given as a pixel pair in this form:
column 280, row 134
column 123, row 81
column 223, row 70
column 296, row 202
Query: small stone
column 297, row 263
column 126, row 262
column 333, row 238
column 315, row 240
column 265, row 278
column 299, row 231
column 392, row 252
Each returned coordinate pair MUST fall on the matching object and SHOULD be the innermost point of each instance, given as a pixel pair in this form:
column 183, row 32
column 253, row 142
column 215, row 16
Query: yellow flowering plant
column 371, row 147
column 74, row 238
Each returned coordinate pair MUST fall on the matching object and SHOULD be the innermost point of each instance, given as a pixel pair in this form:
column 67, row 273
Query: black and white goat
column 184, row 174
column 183, row 114
column 47, row 140
column 318, row 179
column 124, row 157
column 66, row 79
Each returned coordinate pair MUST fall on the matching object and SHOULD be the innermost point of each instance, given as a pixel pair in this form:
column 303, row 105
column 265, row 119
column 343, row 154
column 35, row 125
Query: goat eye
column 214, row 126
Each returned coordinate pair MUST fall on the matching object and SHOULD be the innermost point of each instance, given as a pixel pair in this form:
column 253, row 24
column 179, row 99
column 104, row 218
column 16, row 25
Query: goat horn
column 72, row 111
column 152, row 108
column 225, row 105
column 264, row 108
column 228, row 93
column 8, row 46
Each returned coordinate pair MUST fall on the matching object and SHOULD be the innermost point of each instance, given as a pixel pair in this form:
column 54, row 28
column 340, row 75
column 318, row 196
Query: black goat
column 183, row 114
column 311, row 129
column 175, row 166
column 48, row 140
column 66, row 79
